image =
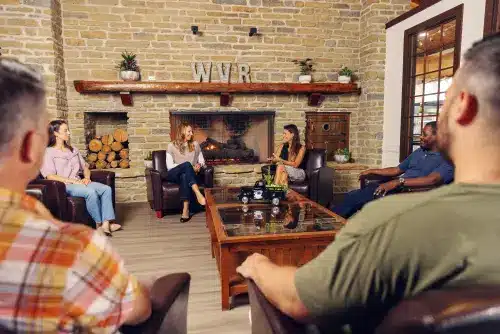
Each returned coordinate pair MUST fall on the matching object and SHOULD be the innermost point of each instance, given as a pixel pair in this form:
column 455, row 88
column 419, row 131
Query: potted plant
column 306, row 68
column 148, row 160
column 345, row 75
column 129, row 70
column 342, row 155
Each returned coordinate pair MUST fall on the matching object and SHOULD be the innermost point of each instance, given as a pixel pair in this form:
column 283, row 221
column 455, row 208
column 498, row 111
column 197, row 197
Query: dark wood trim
column 492, row 17
column 86, row 87
column 454, row 13
column 424, row 4
column 124, row 88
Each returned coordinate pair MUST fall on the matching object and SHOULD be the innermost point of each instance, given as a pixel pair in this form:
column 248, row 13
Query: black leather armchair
column 318, row 185
column 471, row 310
column 163, row 195
column 67, row 208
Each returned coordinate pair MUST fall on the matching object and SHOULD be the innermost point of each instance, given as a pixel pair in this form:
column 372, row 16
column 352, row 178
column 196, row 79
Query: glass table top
column 247, row 220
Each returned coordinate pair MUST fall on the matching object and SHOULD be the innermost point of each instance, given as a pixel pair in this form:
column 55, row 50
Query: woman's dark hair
column 295, row 147
column 54, row 127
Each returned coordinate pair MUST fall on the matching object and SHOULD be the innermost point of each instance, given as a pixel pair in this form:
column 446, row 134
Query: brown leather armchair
column 169, row 300
column 68, row 208
column 318, row 185
column 163, row 195
column 472, row 310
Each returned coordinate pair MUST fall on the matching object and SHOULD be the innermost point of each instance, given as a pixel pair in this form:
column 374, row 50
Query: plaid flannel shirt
column 57, row 277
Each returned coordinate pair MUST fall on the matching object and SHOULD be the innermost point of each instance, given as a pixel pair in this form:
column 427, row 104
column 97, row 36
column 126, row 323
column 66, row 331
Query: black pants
column 185, row 177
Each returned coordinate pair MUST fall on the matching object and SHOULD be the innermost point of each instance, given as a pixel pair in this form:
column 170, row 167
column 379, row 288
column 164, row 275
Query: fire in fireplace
column 230, row 137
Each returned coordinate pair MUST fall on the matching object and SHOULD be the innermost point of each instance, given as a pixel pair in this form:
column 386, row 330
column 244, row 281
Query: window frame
column 456, row 14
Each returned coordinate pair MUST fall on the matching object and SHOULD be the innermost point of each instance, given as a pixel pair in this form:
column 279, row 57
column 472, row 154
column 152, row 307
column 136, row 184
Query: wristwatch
column 401, row 181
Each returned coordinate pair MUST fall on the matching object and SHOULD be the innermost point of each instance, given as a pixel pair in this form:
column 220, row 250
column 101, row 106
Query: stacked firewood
column 109, row 151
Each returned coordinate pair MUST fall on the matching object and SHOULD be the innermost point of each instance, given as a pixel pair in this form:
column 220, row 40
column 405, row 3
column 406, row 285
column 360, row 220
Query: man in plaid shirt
column 54, row 277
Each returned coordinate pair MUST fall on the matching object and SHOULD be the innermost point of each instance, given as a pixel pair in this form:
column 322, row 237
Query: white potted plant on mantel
column 129, row 70
column 345, row 75
column 306, row 69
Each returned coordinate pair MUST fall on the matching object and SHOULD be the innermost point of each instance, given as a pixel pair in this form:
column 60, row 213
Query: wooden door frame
column 454, row 13
column 492, row 17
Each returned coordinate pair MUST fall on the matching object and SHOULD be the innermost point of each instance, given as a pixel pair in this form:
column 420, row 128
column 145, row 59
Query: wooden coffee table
column 293, row 233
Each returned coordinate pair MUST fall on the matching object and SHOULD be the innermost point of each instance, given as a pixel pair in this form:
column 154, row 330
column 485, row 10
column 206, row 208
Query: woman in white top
column 184, row 161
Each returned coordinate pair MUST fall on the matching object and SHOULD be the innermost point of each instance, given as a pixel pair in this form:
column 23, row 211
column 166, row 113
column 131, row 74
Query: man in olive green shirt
column 402, row 245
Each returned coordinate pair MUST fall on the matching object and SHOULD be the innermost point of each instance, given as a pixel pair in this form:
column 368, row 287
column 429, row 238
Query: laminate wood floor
column 156, row 247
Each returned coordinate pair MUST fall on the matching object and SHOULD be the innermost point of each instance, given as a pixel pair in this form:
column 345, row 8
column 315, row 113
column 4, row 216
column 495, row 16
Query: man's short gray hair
column 19, row 84
column 480, row 74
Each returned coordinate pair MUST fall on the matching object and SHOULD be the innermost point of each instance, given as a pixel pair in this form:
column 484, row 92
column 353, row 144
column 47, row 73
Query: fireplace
column 230, row 137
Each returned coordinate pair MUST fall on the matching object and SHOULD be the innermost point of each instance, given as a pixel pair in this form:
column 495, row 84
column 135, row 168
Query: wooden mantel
column 125, row 88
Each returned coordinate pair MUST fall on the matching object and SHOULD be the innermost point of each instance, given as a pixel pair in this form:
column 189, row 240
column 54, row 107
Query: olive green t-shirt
column 404, row 244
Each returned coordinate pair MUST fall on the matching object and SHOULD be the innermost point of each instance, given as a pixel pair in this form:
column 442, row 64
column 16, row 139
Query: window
column 432, row 55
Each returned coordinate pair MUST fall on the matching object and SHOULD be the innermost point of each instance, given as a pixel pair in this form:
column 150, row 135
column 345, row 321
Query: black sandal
column 185, row 220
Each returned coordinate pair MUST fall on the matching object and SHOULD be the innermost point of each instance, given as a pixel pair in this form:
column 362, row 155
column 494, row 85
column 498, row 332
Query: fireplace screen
column 228, row 138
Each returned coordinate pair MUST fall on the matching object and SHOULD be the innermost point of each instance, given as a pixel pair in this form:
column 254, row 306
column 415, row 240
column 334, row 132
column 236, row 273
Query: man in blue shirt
column 424, row 167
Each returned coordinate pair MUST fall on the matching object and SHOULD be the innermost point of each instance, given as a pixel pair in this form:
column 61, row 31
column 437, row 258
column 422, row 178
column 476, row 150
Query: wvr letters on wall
column 202, row 72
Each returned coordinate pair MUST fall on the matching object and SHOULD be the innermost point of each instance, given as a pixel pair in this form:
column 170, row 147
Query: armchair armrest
column 458, row 310
column 169, row 298
column 267, row 319
column 208, row 176
column 154, row 188
column 418, row 189
column 105, row 177
column 37, row 191
column 321, row 185
column 53, row 197
column 365, row 179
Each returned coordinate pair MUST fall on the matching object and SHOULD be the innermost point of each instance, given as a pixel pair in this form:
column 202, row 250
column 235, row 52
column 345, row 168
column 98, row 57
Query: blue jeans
column 98, row 198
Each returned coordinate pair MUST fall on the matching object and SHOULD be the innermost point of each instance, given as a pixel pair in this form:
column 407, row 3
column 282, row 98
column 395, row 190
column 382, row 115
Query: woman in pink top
column 65, row 163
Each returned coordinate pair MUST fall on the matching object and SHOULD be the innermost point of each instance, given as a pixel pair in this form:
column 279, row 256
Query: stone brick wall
column 30, row 30
column 96, row 32
column 346, row 176
column 367, row 124
column 334, row 33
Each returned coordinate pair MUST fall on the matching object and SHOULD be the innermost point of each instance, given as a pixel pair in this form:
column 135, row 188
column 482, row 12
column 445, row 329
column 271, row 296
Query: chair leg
column 159, row 213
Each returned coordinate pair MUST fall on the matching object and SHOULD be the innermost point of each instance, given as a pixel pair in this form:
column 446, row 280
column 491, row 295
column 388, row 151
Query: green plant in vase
column 342, row 155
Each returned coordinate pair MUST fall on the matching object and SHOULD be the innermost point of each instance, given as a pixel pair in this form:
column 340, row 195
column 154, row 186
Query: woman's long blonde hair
column 181, row 136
